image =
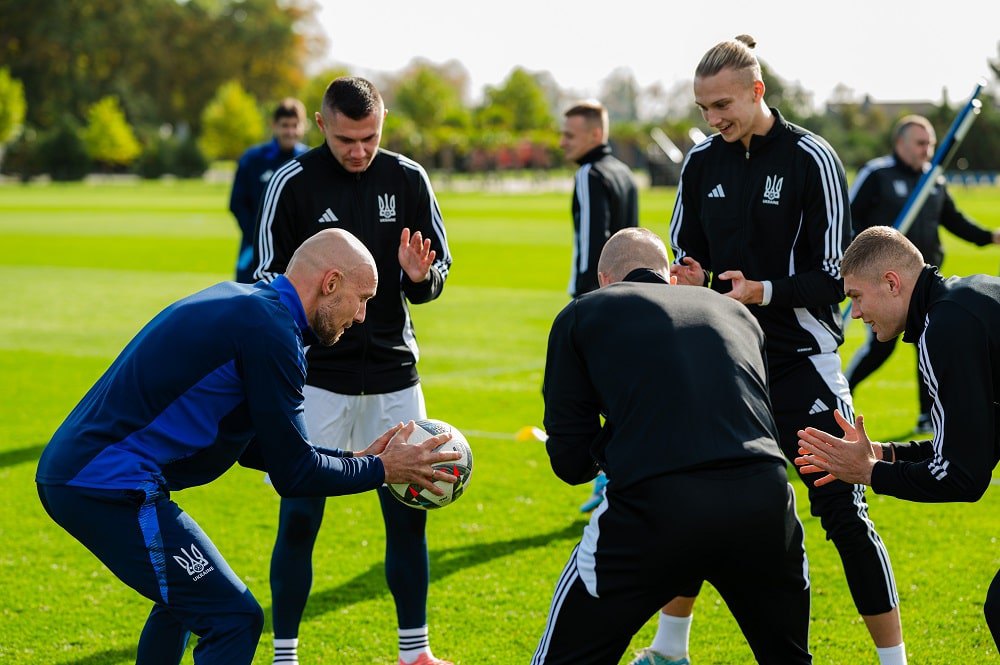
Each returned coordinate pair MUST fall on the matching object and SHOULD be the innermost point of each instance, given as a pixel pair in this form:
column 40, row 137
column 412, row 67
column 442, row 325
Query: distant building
column 890, row 110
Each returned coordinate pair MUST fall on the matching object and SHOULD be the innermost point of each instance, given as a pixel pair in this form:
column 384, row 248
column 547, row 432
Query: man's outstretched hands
column 849, row 458
column 411, row 463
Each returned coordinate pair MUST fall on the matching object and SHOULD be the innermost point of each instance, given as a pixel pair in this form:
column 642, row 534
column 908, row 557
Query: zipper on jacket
column 748, row 210
column 363, row 227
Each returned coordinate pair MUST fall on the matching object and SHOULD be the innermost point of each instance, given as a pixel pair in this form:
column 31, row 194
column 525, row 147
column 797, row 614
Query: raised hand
column 415, row 255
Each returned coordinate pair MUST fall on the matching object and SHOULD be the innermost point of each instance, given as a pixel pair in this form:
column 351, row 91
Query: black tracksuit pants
column 735, row 527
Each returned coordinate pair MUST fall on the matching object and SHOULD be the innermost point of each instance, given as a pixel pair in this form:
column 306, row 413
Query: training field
column 85, row 266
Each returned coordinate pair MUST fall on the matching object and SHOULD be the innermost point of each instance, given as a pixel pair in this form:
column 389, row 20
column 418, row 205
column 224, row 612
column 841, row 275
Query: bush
column 21, row 157
column 61, row 152
column 180, row 157
column 190, row 160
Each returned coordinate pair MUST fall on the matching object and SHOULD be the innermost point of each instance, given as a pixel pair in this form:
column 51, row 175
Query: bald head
column 334, row 275
column 329, row 249
column 630, row 249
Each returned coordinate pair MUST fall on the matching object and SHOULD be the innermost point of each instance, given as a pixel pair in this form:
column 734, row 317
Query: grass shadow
column 371, row 583
column 107, row 657
column 21, row 455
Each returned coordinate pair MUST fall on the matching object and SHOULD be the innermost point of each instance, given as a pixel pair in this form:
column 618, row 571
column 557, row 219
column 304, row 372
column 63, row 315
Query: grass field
column 86, row 266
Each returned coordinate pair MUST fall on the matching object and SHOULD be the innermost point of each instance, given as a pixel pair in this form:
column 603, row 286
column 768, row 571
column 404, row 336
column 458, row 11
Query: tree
column 108, row 138
column 231, row 122
column 12, row 109
column 12, row 106
column 427, row 97
column 620, row 95
column 523, row 97
column 164, row 59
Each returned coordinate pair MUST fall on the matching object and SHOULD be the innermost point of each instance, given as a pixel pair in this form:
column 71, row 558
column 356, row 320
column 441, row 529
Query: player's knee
column 249, row 614
column 299, row 527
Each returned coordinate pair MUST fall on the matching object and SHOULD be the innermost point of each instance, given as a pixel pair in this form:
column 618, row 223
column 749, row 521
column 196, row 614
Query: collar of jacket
column 760, row 142
column 339, row 168
column 273, row 150
column 924, row 293
column 289, row 297
column 900, row 164
column 644, row 275
column 595, row 154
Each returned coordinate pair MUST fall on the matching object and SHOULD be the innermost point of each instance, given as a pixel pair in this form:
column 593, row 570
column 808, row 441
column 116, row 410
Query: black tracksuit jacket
column 605, row 200
column 882, row 188
column 955, row 324
column 777, row 212
column 314, row 192
column 678, row 372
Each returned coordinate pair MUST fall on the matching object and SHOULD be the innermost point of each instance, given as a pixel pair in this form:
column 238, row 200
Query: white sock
column 286, row 651
column 672, row 636
column 892, row 655
column 412, row 643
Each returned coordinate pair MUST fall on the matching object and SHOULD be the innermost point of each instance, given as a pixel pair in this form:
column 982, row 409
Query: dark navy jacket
column 213, row 379
column 255, row 169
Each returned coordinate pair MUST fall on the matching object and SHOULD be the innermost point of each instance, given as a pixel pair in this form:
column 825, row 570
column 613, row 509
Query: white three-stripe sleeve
column 834, row 205
column 681, row 227
column 440, row 240
column 583, row 235
column 267, row 268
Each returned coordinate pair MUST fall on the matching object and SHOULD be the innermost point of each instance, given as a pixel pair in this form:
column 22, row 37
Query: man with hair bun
column 955, row 324
column 762, row 216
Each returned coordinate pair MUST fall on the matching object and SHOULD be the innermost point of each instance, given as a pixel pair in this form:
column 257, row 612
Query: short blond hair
column 878, row 249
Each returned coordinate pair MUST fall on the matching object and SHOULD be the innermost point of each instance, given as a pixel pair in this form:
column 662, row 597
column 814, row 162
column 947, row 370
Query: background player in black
column 370, row 378
column 878, row 195
column 955, row 324
column 254, row 171
column 689, row 447
column 762, row 216
column 605, row 200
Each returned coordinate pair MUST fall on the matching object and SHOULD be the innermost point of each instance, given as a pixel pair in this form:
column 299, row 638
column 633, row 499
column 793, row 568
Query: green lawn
column 86, row 266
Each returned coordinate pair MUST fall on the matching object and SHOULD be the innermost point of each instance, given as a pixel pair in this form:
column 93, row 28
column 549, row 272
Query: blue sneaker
column 649, row 657
column 924, row 424
column 595, row 499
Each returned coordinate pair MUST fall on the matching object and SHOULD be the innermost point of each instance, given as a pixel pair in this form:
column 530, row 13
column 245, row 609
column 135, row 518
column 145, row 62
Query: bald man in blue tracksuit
column 214, row 379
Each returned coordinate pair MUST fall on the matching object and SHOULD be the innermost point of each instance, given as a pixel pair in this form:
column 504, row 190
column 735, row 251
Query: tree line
column 167, row 86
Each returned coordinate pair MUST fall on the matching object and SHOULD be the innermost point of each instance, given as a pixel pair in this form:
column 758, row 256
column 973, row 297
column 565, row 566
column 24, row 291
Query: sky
column 892, row 50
